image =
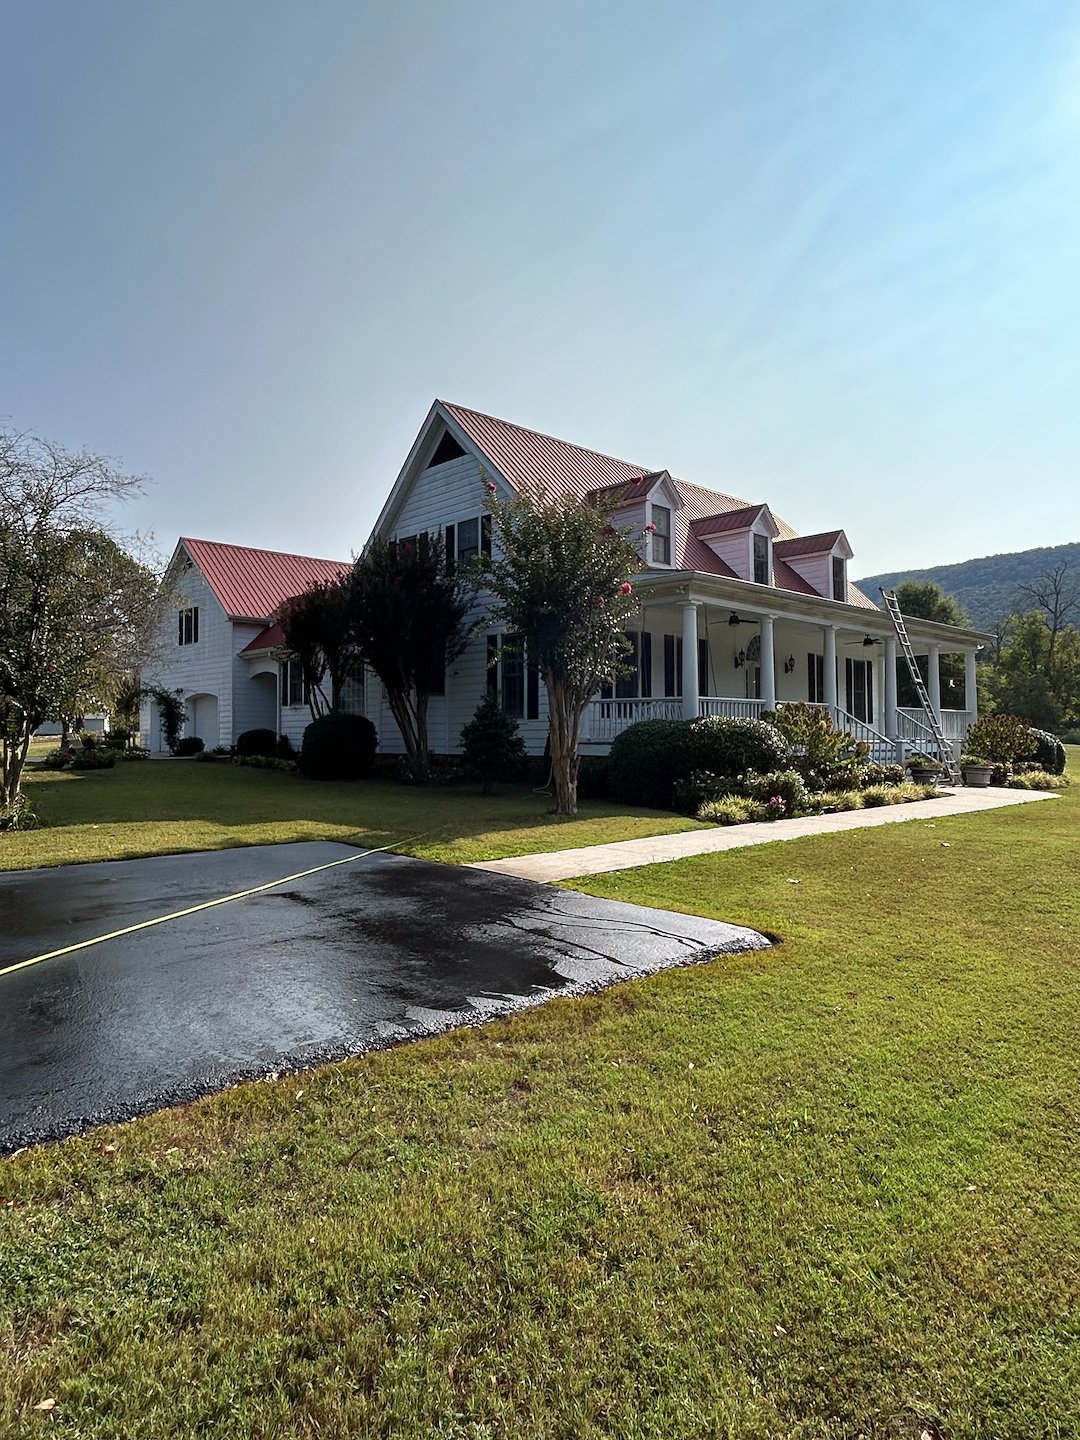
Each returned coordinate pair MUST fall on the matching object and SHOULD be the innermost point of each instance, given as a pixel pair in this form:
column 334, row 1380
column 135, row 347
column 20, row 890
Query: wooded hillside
column 987, row 587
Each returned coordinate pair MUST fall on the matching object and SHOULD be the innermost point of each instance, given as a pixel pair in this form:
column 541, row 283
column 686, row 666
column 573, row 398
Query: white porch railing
column 954, row 723
column 733, row 708
column 604, row 719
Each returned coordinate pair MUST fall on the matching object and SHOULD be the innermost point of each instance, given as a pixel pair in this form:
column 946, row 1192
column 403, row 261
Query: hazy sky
column 825, row 255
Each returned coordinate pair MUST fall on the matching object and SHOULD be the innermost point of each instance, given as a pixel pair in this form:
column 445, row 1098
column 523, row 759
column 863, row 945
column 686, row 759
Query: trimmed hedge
column 648, row 760
column 190, row 745
column 257, row 742
column 1049, row 753
column 338, row 747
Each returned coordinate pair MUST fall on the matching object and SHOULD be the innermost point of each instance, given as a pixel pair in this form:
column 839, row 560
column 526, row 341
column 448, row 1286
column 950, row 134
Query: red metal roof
column 528, row 458
column 728, row 521
column 272, row 637
column 809, row 544
column 251, row 584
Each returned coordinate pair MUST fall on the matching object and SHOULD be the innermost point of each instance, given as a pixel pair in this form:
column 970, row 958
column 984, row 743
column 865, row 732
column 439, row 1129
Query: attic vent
column 447, row 449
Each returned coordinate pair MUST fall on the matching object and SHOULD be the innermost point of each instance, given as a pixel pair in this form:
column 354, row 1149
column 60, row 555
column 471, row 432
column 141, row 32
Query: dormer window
column 661, row 535
column 839, row 578
column 762, row 567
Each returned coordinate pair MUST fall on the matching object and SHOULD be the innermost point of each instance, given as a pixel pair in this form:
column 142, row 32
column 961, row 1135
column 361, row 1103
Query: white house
column 738, row 613
column 220, row 647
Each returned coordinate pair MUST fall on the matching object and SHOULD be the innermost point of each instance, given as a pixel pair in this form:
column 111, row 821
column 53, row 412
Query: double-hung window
column 839, row 578
column 516, row 683
column 466, row 539
column 661, row 535
column 292, row 683
column 189, row 626
column 761, row 560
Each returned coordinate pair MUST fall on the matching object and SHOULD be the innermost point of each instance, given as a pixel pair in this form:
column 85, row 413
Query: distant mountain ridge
column 986, row 588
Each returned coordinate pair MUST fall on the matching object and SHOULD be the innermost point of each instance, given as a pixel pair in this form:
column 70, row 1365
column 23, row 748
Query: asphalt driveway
column 310, row 967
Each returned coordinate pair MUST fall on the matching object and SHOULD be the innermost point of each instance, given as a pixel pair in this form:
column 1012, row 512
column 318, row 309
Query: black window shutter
column 532, row 699
column 493, row 664
column 703, row 666
column 646, row 664
column 669, row 665
column 485, row 534
column 451, row 553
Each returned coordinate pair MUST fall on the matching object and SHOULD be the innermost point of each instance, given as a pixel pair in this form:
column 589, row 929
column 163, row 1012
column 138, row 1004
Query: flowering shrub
column 775, row 808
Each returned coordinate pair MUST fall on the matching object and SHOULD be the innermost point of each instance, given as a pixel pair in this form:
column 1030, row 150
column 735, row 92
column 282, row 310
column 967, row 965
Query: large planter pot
column 924, row 777
column 978, row 774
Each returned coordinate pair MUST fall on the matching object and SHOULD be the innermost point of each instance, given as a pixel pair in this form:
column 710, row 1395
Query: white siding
column 442, row 496
column 204, row 668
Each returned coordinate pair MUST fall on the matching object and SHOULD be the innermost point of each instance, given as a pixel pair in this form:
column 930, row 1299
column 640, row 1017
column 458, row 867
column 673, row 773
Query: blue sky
column 819, row 254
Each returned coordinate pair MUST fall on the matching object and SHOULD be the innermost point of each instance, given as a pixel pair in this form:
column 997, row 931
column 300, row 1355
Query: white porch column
column 768, row 664
column 933, row 679
column 828, row 665
column 689, row 660
column 890, row 725
column 971, row 694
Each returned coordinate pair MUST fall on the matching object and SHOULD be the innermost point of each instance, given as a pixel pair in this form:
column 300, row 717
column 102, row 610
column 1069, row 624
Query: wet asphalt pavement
column 365, row 954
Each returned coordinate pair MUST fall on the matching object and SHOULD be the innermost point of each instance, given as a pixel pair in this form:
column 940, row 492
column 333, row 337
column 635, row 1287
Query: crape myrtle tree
column 560, row 575
column 409, row 621
column 318, row 629
column 73, row 599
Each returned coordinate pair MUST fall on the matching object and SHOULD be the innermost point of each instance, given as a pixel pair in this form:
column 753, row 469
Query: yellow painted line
column 194, row 909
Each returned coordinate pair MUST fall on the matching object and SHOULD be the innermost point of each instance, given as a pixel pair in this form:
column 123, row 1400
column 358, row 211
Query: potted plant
column 977, row 771
column 924, row 768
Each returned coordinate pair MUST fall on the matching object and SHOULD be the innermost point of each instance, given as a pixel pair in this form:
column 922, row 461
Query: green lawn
column 825, row 1192
column 156, row 807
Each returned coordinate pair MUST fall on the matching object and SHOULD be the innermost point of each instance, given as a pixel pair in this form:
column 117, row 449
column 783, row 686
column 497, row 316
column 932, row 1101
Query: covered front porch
column 711, row 649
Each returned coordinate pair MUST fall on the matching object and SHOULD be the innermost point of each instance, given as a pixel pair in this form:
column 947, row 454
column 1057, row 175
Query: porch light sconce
column 740, row 659
column 789, row 664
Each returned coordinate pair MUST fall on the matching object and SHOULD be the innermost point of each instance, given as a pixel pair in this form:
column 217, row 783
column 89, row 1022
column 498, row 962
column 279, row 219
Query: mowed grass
column 826, row 1191
column 157, row 807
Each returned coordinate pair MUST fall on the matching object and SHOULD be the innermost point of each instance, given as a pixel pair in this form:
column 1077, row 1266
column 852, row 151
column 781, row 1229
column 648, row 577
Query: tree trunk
column 411, row 720
column 12, row 759
column 564, row 722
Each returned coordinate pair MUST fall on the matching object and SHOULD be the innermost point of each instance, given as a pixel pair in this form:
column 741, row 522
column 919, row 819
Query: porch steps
column 944, row 749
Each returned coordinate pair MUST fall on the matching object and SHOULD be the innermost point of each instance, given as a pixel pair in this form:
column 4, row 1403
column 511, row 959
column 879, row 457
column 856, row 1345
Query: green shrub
column 1049, row 752
column 1070, row 737
column 338, row 747
column 725, row 745
column 731, row 810
column 189, row 745
column 284, row 749
column 117, row 739
column 875, row 795
column 257, row 742
column 647, row 759
column 18, row 815
column 698, row 788
column 838, row 800
column 55, row 759
column 261, row 762
column 786, row 785
column 825, row 757
column 100, row 759
column 1038, row 780
column 90, row 739
column 491, row 744
column 136, row 754
column 873, row 774
column 1002, row 739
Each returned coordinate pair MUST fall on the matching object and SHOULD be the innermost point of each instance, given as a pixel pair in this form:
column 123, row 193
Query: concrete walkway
column 626, row 854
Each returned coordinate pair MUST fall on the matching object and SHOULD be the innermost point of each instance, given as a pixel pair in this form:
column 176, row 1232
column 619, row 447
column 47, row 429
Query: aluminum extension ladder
column 949, row 765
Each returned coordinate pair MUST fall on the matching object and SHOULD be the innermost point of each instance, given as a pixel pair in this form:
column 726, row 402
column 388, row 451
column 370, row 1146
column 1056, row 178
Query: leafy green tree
column 925, row 600
column 408, row 619
column 73, row 599
column 318, row 629
column 1038, row 673
column 560, row 576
